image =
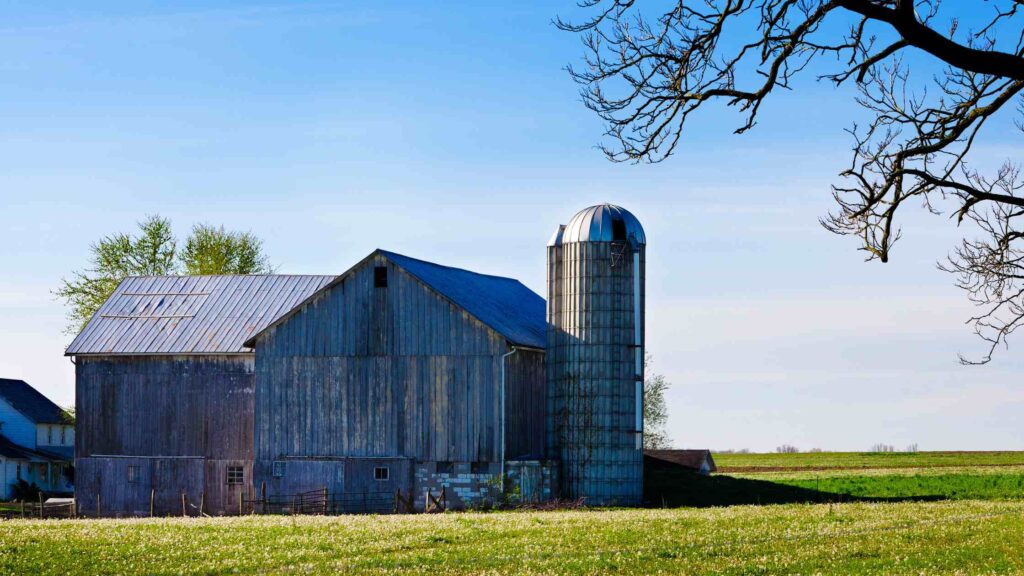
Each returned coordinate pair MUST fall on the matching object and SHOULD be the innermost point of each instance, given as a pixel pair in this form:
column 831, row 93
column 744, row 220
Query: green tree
column 154, row 252
column 655, row 409
column 213, row 250
column 151, row 253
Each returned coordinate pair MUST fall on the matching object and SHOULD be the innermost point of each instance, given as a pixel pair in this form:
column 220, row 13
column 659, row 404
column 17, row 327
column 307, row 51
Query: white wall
column 44, row 432
column 16, row 427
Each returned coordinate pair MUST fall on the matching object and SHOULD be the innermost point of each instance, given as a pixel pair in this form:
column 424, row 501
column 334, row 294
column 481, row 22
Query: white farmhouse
column 37, row 441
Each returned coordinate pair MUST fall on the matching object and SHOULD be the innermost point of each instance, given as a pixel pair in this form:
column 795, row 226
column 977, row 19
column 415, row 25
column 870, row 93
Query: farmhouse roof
column 504, row 304
column 157, row 315
column 30, row 402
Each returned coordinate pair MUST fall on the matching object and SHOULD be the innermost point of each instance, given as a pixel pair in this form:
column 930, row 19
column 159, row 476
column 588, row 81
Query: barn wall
column 395, row 372
column 525, row 404
column 182, row 420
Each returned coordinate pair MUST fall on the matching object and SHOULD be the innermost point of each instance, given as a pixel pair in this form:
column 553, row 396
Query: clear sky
column 450, row 132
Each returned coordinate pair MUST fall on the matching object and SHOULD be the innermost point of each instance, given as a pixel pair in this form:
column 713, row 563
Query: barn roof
column 30, row 402
column 153, row 315
column 504, row 304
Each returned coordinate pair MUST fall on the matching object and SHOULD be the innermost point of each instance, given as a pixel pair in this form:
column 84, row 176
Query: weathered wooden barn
column 164, row 391
column 397, row 376
column 402, row 375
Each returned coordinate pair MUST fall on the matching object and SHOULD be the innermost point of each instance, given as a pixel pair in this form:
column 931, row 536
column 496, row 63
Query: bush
column 25, row 492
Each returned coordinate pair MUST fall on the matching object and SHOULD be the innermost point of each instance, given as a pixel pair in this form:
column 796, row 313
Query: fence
column 22, row 509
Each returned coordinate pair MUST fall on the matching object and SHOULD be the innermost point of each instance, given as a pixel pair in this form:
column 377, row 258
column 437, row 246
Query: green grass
column 867, row 460
column 896, row 538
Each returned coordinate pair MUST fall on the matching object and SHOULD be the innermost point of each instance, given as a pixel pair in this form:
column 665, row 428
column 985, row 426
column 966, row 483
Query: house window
column 279, row 469
column 445, row 467
column 236, row 476
column 17, row 472
column 133, row 474
column 63, row 435
column 381, row 473
column 479, row 468
column 49, row 435
column 380, row 277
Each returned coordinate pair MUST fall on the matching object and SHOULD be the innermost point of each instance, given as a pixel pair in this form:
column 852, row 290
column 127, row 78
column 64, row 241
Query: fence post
column 40, row 504
column 74, row 508
column 98, row 514
column 240, row 511
column 263, row 497
column 202, row 502
column 325, row 500
column 444, row 499
column 152, row 498
column 184, row 510
column 22, row 507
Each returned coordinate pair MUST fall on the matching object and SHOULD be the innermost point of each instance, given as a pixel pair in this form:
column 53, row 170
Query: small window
column 279, row 469
column 235, row 476
column 445, row 467
column 49, row 435
column 618, row 230
column 380, row 277
column 17, row 472
column 381, row 473
column 63, row 435
column 479, row 468
column 133, row 474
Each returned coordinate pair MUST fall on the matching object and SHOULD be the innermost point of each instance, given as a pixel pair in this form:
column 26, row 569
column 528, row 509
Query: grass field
column 832, row 460
column 900, row 538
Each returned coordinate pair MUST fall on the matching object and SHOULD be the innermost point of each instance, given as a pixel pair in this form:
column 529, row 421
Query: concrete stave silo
column 596, row 266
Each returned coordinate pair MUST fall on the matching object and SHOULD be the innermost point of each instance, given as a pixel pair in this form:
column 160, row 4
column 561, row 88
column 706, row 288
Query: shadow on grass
column 672, row 486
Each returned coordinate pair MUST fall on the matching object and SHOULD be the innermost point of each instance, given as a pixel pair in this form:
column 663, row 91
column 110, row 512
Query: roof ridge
column 509, row 278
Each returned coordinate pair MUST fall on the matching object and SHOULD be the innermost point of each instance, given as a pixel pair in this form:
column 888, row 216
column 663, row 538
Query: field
column 902, row 538
column 927, row 513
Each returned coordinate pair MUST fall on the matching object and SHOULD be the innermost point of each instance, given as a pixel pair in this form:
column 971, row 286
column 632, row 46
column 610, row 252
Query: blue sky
column 450, row 132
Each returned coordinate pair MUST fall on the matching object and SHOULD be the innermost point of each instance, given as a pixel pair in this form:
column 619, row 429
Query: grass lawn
column 894, row 538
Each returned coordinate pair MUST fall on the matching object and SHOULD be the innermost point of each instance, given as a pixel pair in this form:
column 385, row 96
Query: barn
column 164, row 391
column 399, row 376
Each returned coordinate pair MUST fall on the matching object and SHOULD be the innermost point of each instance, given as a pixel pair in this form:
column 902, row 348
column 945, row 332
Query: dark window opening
column 618, row 230
column 380, row 277
column 236, row 476
column 479, row 468
column 445, row 467
column 279, row 469
column 133, row 474
column 381, row 473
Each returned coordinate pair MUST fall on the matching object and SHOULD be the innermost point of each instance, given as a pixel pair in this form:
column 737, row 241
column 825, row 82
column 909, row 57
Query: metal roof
column 190, row 314
column 30, row 402
column 595, row 224
column 505, row 304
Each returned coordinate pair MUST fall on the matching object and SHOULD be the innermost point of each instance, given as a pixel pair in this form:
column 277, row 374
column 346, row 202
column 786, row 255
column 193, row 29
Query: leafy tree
column 655, row 409
column 151, row 253
column 645, row 75
column 213, row 250
column 154, row 252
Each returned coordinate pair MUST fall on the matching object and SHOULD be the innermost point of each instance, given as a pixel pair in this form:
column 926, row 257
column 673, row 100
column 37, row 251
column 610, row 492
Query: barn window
column 279, row 469
column 381, row 473
column 235, row 475
column 479, row 468
column 133, row 474
column 445, row 467
column 380, row 277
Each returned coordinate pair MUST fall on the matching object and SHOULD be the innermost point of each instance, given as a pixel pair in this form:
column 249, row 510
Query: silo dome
column 604, row 223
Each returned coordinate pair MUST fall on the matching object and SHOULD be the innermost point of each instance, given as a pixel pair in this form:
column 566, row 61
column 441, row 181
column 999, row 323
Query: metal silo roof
column 596, row 224
column 190, row 314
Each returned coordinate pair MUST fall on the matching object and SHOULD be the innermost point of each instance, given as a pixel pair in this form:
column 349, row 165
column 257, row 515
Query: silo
column 595, row 355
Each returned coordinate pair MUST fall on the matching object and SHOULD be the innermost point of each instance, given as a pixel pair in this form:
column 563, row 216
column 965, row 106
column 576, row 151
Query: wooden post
column 398, row 498
column 325, row 500
column 184, row 510
column 98, row 505
column 444, row 500
column 152, row 498
column 40, row 504
column 202, row 502
column 74, row 508
column 263, row 497
column 240, row 511
column 22, row 507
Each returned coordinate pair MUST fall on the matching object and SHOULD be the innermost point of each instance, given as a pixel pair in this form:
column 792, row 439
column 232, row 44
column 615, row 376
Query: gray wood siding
column 525, row 403
column 153, row 412
column 385, row 372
